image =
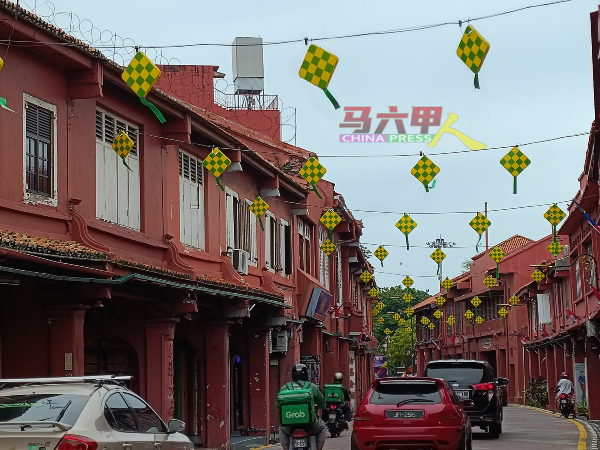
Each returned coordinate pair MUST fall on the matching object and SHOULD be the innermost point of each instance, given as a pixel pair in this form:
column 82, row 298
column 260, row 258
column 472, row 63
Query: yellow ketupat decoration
column 440, row 301
column 406, row 224
column 408, row 330
column 425, row 171
column 451, row 320
column 366, row 276
column 503, row 312
column 409, row 311
column 313, row 171
column 476, row 302
column 375, row 311
column 216, row 162
column 447, row 283
column 554, row 215
column 497, row 254
column 515, row 162
column 555, row 248
column 259, row 207
column 438, row 256
column 381, row 253
column 469, row 314
column 330, row 219
column 479, row 320
column 396, row 317
column 387, row 331
column 472, row 50
column 438, row 314
column 479, row 223
column 407, row 298
column 317, row 68
column 328, row 247
column 431, row 326
column 489, row 281
column 514, row 300
column 380, row 305
column 538, row 276
column 408, row 281
column 401, row 322
column 140, row 75
column 374, row 293
column 381, row 320
column 425, row 320
column 123, row 145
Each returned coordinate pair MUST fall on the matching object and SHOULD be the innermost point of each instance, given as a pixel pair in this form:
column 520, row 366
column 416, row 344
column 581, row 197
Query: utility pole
column 441, row 243
column 486, row 230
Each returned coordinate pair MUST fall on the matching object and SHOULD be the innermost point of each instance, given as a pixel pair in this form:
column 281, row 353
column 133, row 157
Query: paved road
column 523, row 429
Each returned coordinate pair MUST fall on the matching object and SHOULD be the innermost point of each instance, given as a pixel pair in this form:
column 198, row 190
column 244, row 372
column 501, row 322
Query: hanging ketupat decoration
column 380, row 306
column 313, row 171
column 140, row 75
column 216, row 162
column 366, row 276
column 489, row 281
column 440, row 301
column 515, row 162
column 479, row 223
column 381, row 319
column 447, row 283
column 409, row 311
column 406, row 224
column 438, row 256
column 123, row 145
column 401, row 322
column 438, row 314
column 387, row 331
column 374, row 293
column 381, row 253
column 317, row 68
column 450, row 320
column 555, row 248
column 425, row 171
column 472, row 50
column 538, row 276
column 328, row 247
column 479, row 320
column 425, row 320
column 330, row 219
column 554, row 215
column 259, row 207
column 469, row 314
column 497, row 254
column 514, row 300
column 396, row 317
column 431, row 326
column 408, row 281
column 408, row 330
column 503, row 312
column 407, row 298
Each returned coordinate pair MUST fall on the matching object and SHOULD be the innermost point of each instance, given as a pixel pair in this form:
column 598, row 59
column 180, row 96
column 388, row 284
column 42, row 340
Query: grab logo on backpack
column 295, row 415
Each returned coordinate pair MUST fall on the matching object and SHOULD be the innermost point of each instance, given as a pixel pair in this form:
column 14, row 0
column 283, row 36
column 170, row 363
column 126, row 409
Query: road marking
column 582, row 433
column 266, row 446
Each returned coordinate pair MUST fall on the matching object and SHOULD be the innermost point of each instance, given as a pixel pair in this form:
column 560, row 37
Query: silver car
column 85, row 413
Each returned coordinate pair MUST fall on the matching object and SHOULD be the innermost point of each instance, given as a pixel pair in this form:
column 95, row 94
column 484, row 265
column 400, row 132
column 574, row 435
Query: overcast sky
column 536, row 83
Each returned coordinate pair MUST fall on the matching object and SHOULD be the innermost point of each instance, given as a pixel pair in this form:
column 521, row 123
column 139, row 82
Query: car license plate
column 303, row 442
column 332, row 417
column 563, row 402
column 404, row 414
column 462, row 394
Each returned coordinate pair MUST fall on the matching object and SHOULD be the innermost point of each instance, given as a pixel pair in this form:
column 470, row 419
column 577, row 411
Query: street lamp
column 440, row 243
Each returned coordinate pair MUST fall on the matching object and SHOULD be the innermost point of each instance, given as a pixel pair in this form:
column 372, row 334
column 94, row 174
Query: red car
column 411, row 413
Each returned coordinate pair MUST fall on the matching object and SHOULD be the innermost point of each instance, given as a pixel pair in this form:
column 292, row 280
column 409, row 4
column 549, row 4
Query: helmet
column 299, row 373
column 338, row 376
column 564, row 375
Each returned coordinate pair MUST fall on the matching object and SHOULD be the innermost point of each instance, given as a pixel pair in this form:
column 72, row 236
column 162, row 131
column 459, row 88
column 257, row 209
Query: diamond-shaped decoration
column 515, row 161
column 407, row 298
column 555, row 248
column 514, row 300
column 489, row 281
column 366, row 276
column 312, row 171
column 479, row 319
column 216, row 162
column 387, row 331
column 431, row 326
column 472, row 49
column 381, row 319
column 408, row 282
column 141, row 74
column 554, row 215
column 440, row 301
column 259, row 207
column 318, row 66
column 381, row 253
column 330, row 219
column 438, row 314
column 425, row 171
column 406, row 224
column 122, row 144
column 497, row 254
column 374, row 293
column 375, row 311
column 503, row 312
column 469, row 314
column 380, row 305
column 425, row 320
column 409, row 311
column 447, row 283
column 538, row 276
column 451, row 320
column 401, row 322
column 408, row 330
column 328, row 247
column 476, row 302
column 438, row 256
column 396, row 316
column 480, row 223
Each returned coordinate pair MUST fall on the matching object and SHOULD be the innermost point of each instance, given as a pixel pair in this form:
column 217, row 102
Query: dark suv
column 473, row 380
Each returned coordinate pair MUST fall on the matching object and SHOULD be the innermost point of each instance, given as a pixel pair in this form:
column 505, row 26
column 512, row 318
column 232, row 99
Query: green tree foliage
column 466, row 265
column 400, row 348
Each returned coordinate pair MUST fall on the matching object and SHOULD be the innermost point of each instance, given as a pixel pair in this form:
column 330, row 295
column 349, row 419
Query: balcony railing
column 246, row 101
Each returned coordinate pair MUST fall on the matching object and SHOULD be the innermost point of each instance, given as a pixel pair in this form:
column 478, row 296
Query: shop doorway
column 237, row 398
column 186, row 385
column 113, row 357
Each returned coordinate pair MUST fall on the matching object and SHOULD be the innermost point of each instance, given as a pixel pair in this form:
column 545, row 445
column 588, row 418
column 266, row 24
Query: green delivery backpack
column 296, row 406
column 334, row 393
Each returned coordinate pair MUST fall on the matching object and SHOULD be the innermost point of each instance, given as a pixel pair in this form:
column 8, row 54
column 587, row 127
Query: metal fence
column 246, row 101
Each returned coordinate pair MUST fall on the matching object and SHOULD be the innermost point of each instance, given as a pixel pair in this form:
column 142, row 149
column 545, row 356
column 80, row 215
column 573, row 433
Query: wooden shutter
column 267, row 226
column 229, row 226
column 191, row 201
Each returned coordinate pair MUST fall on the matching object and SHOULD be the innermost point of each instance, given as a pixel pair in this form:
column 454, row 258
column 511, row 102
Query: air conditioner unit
column 566, row 250
column 562, row 264
column 591, row 328
column 240, row 260
column 279, row 342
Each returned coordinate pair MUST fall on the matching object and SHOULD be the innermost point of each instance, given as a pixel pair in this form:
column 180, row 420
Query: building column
column 593, row 388
column 218, row 385
column 66, row 340
column 159, row 366
column 258, row 366
column 552, row 376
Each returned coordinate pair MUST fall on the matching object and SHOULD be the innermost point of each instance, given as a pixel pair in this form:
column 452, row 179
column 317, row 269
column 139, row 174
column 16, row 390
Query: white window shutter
column 267, row 225
column 229, row 226
column 253, row 246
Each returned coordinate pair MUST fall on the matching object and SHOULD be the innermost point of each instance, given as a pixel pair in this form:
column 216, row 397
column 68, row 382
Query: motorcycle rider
column 338, row 378
column 318, row 429
column 565, row 386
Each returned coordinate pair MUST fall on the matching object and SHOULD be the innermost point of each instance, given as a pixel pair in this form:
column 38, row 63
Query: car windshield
column 462, row 373
column 414, row 392
column 63, row 408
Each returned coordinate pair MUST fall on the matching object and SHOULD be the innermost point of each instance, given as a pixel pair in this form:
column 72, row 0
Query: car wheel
column 470, row 442
column 495, row 429
column 353, row 443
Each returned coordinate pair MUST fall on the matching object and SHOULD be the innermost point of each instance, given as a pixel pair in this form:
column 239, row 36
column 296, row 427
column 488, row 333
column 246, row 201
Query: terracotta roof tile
column 427, row 301
column 129, row 263
column 37, row 245
column 509, row 245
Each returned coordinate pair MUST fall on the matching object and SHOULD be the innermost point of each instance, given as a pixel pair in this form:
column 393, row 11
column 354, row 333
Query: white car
column 82, row 413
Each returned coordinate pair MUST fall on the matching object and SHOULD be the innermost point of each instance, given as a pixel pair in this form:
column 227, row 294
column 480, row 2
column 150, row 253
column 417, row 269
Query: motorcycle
column 300, row 439
column 335, row 419
column 567, row 405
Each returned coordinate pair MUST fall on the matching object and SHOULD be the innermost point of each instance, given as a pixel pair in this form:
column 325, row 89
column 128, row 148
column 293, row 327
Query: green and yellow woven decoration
column 381, row 319
column 381, row 253
column 469, row 314
column 375, row 311
column 425, row 171
column 479, row 320
column 216, row 162
column 374, row 293
column 409, row 311
column 555, row 248
column 425, row 320
column 317, row 68
column 123, row 145
column 406, row 224
column 515, row 162
column 497, row 254
column 140, row 75
column 407, row 298
column 431, row 326
column 408, row 281
column 554, row 215
column 313, row 171
column 440, row 301
column 490, row 281
column 330, row 219
column 479, row 223
column 503, row 312
column 447, row 283
column 472, row 50
column 476, row 301
column 328, row 247
column 387, row 331
column 380, row 306
column 438, row 256
column 514, row 300
column 396, row 317
column 366, row 276
column 538, row 276
column 259, row 207
column 401, row 321
column 450, row 320
column 408, row 330
column 438, row 314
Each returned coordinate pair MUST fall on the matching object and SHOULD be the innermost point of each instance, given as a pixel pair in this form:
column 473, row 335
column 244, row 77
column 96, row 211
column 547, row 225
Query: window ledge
column 32, row 198
column 28, row 208
column 123, row 232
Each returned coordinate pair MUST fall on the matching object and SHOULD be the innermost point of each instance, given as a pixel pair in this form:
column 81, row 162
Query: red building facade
column 137, row 271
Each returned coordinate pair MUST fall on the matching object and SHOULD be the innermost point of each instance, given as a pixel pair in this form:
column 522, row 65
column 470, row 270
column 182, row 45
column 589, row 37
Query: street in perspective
column 299, row 226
